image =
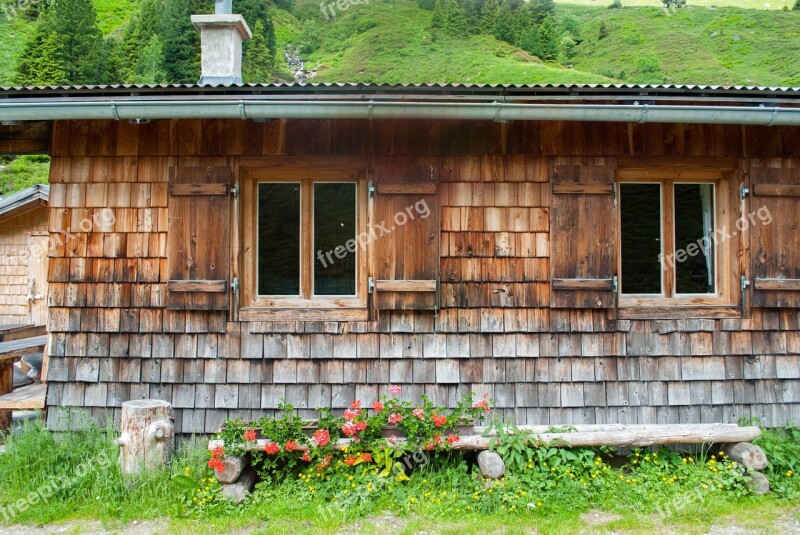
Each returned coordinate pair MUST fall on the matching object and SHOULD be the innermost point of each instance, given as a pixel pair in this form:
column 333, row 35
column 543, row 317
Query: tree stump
column 146, row 435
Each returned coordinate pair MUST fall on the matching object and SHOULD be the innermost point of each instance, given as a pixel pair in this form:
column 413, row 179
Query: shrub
column 616, row 4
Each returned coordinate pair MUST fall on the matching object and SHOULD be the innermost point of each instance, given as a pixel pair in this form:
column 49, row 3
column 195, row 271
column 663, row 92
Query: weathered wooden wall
column 14, row 253
column 113, row 339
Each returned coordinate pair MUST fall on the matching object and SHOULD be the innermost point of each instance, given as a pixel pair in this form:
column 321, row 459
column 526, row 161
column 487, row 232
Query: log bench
column 10, row 400
column 237, row 478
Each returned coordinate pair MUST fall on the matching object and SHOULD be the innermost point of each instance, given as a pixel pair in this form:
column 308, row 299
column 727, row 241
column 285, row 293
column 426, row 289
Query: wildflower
column 395, row 418
column 249, row 435
column 366, row 457
column 322, row 437
column 272, row 448
column 452, row 438
column 395, row 389
column 439, row 420
column 291, row 445
column 305, row 457
column 187, row 471
column 789, row 473
column 377, row 406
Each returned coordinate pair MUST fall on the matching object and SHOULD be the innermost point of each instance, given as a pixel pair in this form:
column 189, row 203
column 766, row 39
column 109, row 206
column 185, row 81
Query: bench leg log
column 6, row 386
column 748, row 455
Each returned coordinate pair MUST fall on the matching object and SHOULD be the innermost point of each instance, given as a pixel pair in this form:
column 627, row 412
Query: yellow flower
column 789, row 473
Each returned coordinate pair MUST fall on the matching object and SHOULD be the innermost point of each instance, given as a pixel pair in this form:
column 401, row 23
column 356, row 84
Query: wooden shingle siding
column 112, row 337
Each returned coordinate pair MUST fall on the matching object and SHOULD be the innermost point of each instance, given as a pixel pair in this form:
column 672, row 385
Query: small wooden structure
column 480, row 251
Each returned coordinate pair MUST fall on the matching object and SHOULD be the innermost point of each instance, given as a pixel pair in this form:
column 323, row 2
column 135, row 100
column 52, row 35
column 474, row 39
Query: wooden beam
column 792, row 285
column 27, row 398
column 419, row 188
column 638, row 436
column 776, row 190
column 197, row 189
column 198, row 286
column 583, row 284
column 405, row 286
column 16, row 348
column 583, row 188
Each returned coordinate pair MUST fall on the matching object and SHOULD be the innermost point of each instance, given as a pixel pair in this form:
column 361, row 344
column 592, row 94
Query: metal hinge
column 614, row 284
column 745, row 283
column 371, row 285
column 614, row 193
column 371, row 189
column 235, row 285
column 235, row 191
column 743, row 191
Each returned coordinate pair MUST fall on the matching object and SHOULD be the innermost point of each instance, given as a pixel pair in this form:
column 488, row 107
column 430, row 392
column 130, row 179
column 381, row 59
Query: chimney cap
column 223, row 21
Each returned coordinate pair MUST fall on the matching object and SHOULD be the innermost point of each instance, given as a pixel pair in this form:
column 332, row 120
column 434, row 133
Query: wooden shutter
column 406, row 272
column 775, row 254
column 582, row 237
column 198, row 253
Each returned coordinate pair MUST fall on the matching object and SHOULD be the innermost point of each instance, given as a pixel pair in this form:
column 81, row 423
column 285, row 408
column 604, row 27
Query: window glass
column 335, row 247
column 694, row 233
column 279, row 239
column 640, row 213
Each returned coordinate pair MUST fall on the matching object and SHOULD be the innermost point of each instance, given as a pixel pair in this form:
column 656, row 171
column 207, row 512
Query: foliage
column 22, row 172
column 782, row 447
column 259, row 61
column 796, row 5
column 616, row 4
column 181, row 40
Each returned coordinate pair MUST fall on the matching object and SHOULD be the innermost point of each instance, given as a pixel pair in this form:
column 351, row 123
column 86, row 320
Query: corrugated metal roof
column 23, row 200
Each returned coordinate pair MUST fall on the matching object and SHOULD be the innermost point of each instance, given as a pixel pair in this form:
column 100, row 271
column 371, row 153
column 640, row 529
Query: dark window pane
column 335, row 249
column 694, row 233
column 640, row 213
column 279, row 239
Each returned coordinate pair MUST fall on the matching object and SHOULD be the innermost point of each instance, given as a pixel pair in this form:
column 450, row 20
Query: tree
column 504, row 27
column 149, row 65
column 489, row 13
column 603, row 33
column 181, row 41
column 255, row 11
column 74, row 23
column 549, row 40
column 259, row 62
column 796, row 5
column 455, row 19
column 138, row 35
column 39, row 63
column 541, row 9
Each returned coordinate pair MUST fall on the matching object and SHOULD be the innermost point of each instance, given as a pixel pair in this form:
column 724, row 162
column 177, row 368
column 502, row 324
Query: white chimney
column 221, row 37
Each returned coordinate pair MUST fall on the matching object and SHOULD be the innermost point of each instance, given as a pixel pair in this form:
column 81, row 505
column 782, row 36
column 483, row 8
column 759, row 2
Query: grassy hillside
column 729, row 46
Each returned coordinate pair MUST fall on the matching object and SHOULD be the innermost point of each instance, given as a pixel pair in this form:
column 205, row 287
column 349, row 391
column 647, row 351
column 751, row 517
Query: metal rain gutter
column 369, row 109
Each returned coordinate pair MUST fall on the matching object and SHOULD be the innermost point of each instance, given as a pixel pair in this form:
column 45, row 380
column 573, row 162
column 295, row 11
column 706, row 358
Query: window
column 300, row 234
column 674, row 248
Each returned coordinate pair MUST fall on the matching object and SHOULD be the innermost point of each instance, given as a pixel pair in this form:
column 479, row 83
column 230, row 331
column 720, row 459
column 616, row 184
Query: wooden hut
column 582, row 254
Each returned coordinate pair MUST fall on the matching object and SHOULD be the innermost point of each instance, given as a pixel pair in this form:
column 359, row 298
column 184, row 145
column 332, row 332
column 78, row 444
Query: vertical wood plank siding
column 113, row 338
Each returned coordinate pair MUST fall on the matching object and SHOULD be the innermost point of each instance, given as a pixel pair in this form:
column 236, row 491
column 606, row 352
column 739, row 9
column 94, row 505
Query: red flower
column 395, row 389
column 360, row 426
column 272, row 448
column 419, row 413
column 350, row 414
column 439, row 420
column 219, row 451
column 481, row 404
column 326, row 462
column 291, row 445
column 250, row 435
column 377, row 406
column 356, row 405
column 437, row 439
column 305, row 457
column 216, row 465
column 366, row 457
column 322, row 437
column 395, row 418
column 349, row 429
column 452, row 438
column 350, row 461
column 430, row 446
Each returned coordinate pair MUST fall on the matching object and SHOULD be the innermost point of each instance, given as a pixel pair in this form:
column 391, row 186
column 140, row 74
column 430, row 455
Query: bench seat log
column 27, row 398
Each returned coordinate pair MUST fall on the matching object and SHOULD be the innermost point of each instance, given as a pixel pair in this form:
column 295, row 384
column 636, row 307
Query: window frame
column 727, row 208
column 306, row 306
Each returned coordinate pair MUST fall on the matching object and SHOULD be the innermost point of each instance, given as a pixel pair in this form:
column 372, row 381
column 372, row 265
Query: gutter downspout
column 369, row 109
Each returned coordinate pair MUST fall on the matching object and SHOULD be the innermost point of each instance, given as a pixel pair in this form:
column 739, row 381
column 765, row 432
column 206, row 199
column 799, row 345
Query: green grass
column 745, row 4
column 13, row 35
column 729, row 46
column 433, row 499
column 113, row 13
column 22, row 172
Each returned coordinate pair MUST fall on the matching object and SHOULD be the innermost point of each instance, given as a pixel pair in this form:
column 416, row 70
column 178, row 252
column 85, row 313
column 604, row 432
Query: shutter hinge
column 235, row 191
column 614, row 193
column 371, row 285
column 235, row 285
column 743, row 191
column 614, row 284
column 745, row 283
column 371, row 189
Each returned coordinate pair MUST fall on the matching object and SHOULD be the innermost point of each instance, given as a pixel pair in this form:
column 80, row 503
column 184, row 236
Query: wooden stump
column 748, row 455
column 759, row 483
column 146, row 435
